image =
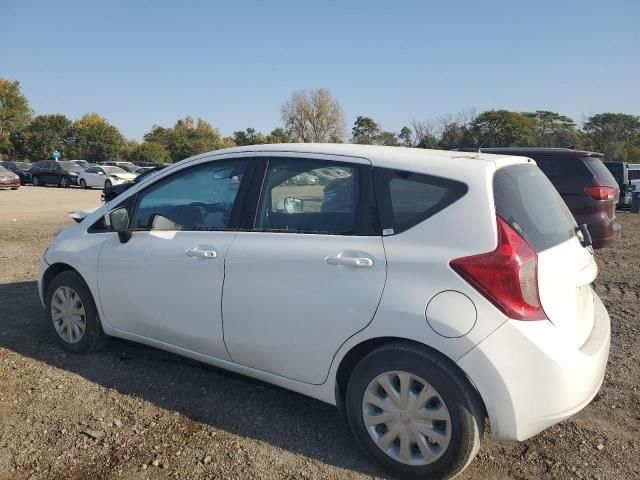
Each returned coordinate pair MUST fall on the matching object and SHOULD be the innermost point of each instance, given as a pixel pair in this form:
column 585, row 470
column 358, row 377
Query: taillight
column 507, row 276
column 601, row 192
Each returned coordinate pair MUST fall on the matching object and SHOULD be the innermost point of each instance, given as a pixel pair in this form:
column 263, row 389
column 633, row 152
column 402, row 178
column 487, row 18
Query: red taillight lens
column 507, row 276
column 600, row 192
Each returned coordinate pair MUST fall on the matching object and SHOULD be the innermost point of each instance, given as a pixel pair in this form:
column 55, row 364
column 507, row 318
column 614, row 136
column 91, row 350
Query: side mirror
column 118, row 221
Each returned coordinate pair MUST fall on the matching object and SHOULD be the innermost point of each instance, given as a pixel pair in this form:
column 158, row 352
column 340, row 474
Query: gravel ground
column 134, row 412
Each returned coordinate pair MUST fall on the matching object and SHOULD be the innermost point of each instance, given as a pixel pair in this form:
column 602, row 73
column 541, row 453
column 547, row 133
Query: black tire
column 107, row 183
column 36, row 181
column 64, row 182
column 93, row 337
column 83, row 184
column 461, row 400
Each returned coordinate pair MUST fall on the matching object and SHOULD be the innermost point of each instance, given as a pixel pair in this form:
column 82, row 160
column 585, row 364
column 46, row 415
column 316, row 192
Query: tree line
column 307, row 116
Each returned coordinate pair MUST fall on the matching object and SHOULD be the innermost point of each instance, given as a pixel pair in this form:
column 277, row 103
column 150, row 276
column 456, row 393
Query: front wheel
column 64, row 182
column 107, row 183
column 83, row 184
column 72, row 315
column 36, row 181
column 413, row 413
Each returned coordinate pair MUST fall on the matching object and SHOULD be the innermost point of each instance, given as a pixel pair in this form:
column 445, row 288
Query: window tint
column 309, row 196
column 197, row 198
column 634, row 174
column 528, row 202
column 408, row 198
column 609, row 172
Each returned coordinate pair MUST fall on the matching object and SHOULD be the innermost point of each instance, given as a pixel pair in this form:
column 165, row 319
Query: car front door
column 307, row 271
column 165, row 283
column 97, row 177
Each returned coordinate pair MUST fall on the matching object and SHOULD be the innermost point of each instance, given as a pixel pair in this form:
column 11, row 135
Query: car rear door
column 309, row 269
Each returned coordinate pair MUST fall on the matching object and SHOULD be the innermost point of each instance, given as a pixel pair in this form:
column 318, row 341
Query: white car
column 424, row 292
column 104, row 176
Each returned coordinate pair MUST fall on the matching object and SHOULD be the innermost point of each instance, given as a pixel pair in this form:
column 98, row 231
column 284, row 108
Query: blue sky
column 233, row 63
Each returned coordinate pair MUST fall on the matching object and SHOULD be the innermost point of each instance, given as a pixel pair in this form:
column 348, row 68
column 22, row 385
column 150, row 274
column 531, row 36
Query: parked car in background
column 8, row 179
column 113, row 191
column 104, row 176
column 141, row 170
column 128, row 166
column 52, row 172
column 22, row 169
column 585, row 184
column 82, row 163
column 432, row 290
column 634, row 176
column 620, row 172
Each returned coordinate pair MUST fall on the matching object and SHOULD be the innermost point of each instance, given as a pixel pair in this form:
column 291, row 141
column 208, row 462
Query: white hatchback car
column 103, row 176
column 418, row 290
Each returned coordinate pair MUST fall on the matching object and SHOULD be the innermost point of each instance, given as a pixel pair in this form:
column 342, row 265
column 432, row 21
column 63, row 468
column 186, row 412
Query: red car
column 9, row 179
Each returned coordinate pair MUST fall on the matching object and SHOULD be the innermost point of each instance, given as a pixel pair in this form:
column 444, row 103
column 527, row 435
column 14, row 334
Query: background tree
column 553, row 129
column 96, row 140
column 502, row 128
column 456, row 135
column 149, row 152
column 187, row 138
column 278, row 135
column 47, row 133
column 406, row 136
column 365, row 131
column 313, row 116
column 617, row 135
column 15, row 115
column 248, row 137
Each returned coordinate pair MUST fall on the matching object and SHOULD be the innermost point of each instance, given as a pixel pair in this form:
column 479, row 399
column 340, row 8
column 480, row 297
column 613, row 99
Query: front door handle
column 361, row 262
column 202, row 251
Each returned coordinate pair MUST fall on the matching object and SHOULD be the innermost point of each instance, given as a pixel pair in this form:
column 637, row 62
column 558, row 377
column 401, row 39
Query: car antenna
column 489, row 133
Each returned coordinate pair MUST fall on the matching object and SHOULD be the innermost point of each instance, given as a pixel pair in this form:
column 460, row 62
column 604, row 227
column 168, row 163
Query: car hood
column 81, row 214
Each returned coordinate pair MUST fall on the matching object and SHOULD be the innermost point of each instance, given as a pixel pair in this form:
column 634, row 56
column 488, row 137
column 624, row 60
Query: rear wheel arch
column 358, row 352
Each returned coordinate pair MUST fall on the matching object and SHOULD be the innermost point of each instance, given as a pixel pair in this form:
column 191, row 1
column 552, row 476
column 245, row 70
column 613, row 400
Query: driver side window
column 198, row 198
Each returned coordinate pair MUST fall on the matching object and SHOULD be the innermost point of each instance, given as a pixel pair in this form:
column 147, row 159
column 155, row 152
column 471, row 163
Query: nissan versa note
column 420, row 291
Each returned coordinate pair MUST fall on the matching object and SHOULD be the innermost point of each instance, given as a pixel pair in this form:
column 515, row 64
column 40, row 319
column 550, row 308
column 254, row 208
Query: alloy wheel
column 406, row 418
column 68, row 314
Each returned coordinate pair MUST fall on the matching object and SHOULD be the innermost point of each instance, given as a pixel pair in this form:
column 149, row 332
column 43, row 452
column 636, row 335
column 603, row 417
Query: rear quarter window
column 526, row 200
column 407, row 198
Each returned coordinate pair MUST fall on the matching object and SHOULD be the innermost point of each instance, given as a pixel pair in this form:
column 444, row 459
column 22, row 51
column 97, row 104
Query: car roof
column 391, row 157
column 538, row 151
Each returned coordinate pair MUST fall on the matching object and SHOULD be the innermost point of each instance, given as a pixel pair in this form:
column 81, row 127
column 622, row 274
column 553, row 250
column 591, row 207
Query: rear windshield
column 526, row 200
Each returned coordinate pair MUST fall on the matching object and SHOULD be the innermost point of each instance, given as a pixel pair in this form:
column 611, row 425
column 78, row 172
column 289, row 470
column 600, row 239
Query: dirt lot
column 133, row 412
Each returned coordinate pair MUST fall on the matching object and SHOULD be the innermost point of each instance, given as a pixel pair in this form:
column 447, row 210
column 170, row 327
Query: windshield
column 70, row 166
column 114, row 170
column 4, row 170
column 23, row 165
column 8, row 164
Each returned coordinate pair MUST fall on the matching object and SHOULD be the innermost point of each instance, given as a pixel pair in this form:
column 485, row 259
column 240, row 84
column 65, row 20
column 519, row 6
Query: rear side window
column 528, row 202
column 634, row 174
column 407, row 198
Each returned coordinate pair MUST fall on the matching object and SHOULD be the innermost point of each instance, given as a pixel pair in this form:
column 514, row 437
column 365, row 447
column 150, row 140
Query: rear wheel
column 83, row 184
column 36, row 181
column 107, row 183
column 413, row 413
column 72, row 315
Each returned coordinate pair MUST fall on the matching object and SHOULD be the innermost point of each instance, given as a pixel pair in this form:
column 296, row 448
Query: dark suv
column 585, row 184
column 53, row 172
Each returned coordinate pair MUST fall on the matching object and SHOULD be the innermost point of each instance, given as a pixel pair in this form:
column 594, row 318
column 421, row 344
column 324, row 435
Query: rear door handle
column 202, row 251
column 361, row 262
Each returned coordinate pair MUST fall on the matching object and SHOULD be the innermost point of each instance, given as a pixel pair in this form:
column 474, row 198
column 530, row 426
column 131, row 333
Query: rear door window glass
column 408, row 198
column 528, row 202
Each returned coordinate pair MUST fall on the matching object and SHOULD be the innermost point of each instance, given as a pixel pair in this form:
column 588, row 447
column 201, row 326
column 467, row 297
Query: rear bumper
column 603, row 228
column 530, row 378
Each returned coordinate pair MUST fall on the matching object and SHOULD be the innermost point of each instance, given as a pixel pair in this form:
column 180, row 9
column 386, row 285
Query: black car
column 112, row 191
column 584, row 183
column 63, row 173
column 19, row 168
column 620, row 171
